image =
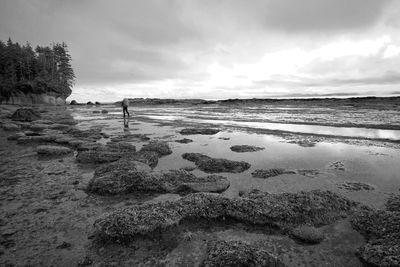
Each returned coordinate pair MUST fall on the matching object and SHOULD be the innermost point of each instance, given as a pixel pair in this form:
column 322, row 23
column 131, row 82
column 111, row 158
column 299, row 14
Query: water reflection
column 298, row 128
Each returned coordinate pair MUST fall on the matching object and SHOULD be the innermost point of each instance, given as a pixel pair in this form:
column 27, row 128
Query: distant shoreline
column 163, row 101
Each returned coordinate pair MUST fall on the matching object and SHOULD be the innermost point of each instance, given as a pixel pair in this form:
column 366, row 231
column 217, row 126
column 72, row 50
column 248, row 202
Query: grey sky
column 217, row 48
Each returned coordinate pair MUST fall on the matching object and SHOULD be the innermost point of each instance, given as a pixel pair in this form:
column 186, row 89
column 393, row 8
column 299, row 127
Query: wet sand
column 47, row 216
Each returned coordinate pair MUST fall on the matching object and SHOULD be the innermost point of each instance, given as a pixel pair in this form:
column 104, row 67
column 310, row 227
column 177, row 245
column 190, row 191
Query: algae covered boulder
column 215, row 165
column 204, row 131
column 161, row 148
column 245, row 148
column 279, row 211
column 52, row 150
column 381, row 228
column 270, row 173
column 238, row 253
column 127, row 176
column 25, row 114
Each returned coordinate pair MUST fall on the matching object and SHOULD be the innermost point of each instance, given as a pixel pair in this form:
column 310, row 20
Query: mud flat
column 173, row 186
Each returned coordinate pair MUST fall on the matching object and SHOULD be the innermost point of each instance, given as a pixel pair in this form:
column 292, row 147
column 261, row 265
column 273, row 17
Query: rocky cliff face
column 30, row 98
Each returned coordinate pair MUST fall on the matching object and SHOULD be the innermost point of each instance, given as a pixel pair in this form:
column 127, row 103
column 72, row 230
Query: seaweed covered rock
column 184, row 141
column 98, row 156
column 10, row 127
column 308, row 234
column 393, row 203
column 25, row 114
column 355, row 186
column 120, row 177
column 280, row 211
column 382, row 230
column 245, row 148
column 215, row 165
column 130, row 138
column 238, row 253
column 127, row 176
column 161, row 148
column 52, row 150
column 270, row 173
column 204, row 131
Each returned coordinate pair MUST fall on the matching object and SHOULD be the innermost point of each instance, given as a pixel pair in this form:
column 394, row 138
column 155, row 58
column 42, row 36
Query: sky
column 217, row 49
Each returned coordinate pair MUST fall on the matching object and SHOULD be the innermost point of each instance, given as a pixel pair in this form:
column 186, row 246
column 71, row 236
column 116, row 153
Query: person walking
column 125, row 105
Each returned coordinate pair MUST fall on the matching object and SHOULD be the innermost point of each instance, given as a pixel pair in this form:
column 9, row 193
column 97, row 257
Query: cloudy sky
column 215, row 49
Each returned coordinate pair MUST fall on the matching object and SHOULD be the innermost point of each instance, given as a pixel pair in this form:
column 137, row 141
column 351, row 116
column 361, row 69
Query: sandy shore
column 48, row 212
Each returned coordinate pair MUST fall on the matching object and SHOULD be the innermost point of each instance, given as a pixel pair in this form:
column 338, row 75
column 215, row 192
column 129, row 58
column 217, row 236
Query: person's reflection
column 126, row 124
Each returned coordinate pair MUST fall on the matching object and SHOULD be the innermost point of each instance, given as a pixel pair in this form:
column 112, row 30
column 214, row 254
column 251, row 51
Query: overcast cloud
column 217, row 48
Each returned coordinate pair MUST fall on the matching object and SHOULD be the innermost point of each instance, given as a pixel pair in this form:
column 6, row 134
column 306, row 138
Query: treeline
column 41, row 70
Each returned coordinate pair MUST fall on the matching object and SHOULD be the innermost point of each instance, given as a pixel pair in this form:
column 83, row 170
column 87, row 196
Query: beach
column 56, row 201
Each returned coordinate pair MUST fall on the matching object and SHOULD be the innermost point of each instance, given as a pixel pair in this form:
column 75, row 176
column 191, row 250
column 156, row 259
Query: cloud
column 215, row 48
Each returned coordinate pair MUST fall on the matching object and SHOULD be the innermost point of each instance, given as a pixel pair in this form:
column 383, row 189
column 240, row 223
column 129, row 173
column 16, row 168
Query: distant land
column 390, row 100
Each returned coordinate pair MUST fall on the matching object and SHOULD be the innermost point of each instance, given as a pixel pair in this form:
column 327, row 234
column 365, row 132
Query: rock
column 308, row 173
column 105, row 135
column 73, row 102
column 16, row 136
column 25, row 114
column 104, row 111
column 98, row 156
column 338, row 165
column 393, row 203
column 76, row 143
column 224, row 138
column 130, row 138
column 90, row 103
column 10, row 127
column 238, row 253
column 270, row 173
column 94, row 133
column 204, row 131
column 308, row 234
column 355, row 186
column 214, row 165
column 121, row 146
column 38, row 127
column 52, row 150
column 97, row 103
column 184, row 141
column 96, row 111
column 246, row 148
column 162, row 148
column 282, row 211
column 127, row 176
column 36, row 139
column 123, row 176
column 89, row 146
column 147, row 157
column 382, row 232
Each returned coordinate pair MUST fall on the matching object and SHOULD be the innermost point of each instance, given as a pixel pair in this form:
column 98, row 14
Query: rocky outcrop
column 204, row 131
column 238, row 253
column 245, row 148
column 127, row 176
column 184, row 141
column 25, row 114
column 381, row 228
column 161, row 148
column 52, row 150
column 31, row 98
column 215, row 165
column 355, row 186
column 279, row 211
column 270, row 173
